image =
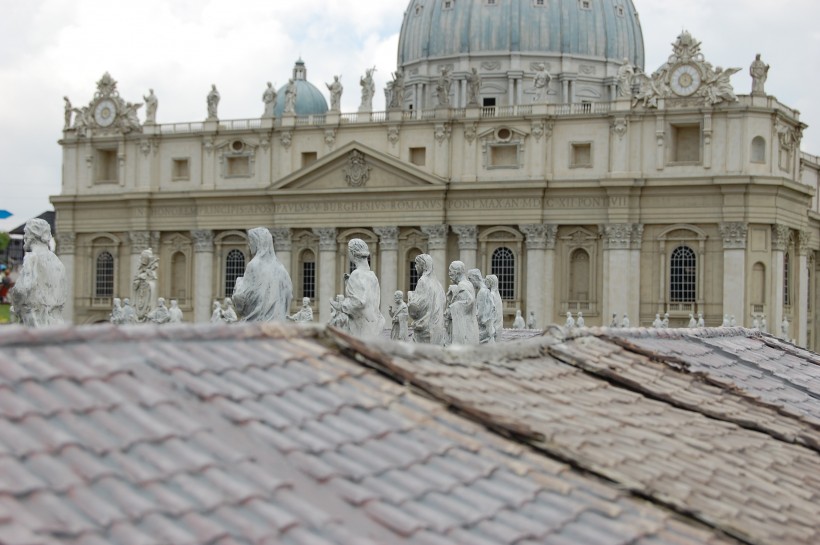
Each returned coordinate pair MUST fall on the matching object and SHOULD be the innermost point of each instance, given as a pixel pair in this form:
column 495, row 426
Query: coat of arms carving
column 357, row 172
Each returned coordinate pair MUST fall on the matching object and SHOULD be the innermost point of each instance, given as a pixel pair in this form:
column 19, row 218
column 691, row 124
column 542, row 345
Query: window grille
column 787, row 284
column 104, row 279
column 683, row 276
column 309, row 276
column 503, row 266
column 234, row 268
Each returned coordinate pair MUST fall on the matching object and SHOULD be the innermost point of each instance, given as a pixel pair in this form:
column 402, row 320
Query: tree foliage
column 5, row 239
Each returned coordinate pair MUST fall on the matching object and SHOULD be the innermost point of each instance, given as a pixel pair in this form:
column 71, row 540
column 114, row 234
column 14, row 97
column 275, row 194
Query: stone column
column 617, row 260
column 283, row 246
column 634, row 276
column 780, row 243
column 203, row 274
column 536, row 248
column 734, row 270
column 467, row 244
column 437, row 248
column 66, row 246
column 801, row 319
column 548, row 282
column 388, row 265
column 327, row 271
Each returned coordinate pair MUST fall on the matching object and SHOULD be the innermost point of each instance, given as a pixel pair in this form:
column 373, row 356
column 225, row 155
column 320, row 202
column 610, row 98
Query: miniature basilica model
column 547, row 155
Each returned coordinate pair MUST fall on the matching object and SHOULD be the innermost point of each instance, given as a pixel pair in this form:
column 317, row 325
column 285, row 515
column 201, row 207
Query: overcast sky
column 52, row 48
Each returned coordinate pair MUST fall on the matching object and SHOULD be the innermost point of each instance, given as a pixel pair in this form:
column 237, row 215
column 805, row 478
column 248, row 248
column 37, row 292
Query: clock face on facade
column 685, row 80
column 105, row 113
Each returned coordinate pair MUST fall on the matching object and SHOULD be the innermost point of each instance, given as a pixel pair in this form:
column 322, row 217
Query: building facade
column 539, row 154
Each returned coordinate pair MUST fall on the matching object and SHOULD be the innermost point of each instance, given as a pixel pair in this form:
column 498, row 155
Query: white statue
column 362, row 294
column 580, row 322
column 41, row 290
column 625, row 74
column 426, row 304
column 732, row 321
column 666, row 320
column 151, row 103
column 625, row 321
column 337, row 317
column 368, row 90
column 701, row 321
column 129, row 315
column 175, row 312
column 305, row 314
column 657, row 323
column 336, row 90
column 116, row 312
column 264, row 293
column 492, row 285
column 531, row 323
column 68, row 110
column 784, row 328
column 484, row 306
column 269, row 98
column 764, row 324
column 213, row 103
column 725, row 321
column 160, row 314
column 473, row 87
column 692, row 322
column 398, row 315
column 518, row 322
column 570, row 323
column 443, row 86
column 614, row 321
column 290, row 97
column 216, row 315
column 396, row 94
column 461, row 307
column 759, row 71
column 229, row 315
column 756, row 323
column 719, row 88
column 541, row 83
column 145, row 283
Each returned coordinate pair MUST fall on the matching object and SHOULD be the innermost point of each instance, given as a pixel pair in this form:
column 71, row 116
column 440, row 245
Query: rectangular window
column 581, row 155
column 180, row 170
column 106, row 167
column 238, row 166
column 309, row 279
column 585, row 4
column 504, row 156
column 538, row 2
column 308, row 158
column 448, row 4
column 685, row 143
column 418, row 156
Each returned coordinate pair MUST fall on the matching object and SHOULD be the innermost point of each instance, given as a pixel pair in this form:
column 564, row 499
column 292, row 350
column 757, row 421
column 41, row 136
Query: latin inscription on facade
column 493, row 204
column 356, row 206
column 208, row 210
column 588, row 202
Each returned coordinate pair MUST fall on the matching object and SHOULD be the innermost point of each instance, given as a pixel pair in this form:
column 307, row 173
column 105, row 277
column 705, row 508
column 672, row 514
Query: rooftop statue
column 336, row 90
column 541, row 84
column 269, row 98
column 264, row 293
column 692, row 322
column 626, row 73
column 625, row 321
column 701, row 321
column 40, row 292
column 368, row 90
column 129, row 315
column 570, row 323
column 216, row 315
column 116, row 316
column 443, row 86
column 580, row 323
column 531, row 323
column 290, row 97
column 229, row 315
column 426, row 304
column 151, row 104
column 759, row 71
column 175, row 312
column 145, row 283
column 337, row 317
column 305, row 314
column 518, row 322
column 461, row 307
column 398, row 315
column 485, row 308
column 396, row 86
column 213, row 103
column 68, row 110
column 492, row 285
column 473, row 88
column 362, row 294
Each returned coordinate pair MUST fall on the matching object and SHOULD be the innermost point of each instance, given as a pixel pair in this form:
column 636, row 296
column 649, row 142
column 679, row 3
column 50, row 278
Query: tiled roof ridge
column 18, row 335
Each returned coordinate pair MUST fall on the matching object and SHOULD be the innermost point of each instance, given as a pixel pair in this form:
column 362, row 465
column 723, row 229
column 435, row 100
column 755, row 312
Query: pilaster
column 467, row 244
column 621, row 277
column 548, row 282
column 536, row 244
column 327, row 270
column 803, row 290
column 781, row 236
column 66, row 246
column 734, row 236
column 203, row 274
column 283, row 245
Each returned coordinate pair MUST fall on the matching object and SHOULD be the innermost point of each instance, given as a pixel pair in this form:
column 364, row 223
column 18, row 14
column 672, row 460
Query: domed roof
column 606, row 29
column 309, row 99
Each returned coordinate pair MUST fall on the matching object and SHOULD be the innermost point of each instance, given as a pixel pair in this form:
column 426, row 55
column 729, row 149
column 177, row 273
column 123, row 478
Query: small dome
column 309, row 99
column 441, row 29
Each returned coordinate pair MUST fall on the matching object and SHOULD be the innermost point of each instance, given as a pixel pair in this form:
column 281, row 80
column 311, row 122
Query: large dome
column 309, row 99
column 442, row 29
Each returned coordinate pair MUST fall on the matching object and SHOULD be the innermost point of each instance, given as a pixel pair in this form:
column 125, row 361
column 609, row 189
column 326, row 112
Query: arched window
column 758, row 291
column 758, row 149
column 104, row 277
column 579, row 276
column 234, row 268
column 412, row 274
column 787, row 284
column 503, row 266
column 683, row 275
column 179, row 272
column 308, row 270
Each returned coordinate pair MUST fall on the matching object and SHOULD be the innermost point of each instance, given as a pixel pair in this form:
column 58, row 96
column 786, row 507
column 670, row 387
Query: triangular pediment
column 356, row 167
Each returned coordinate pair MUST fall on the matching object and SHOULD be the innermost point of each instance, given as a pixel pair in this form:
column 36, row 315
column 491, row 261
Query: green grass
column 4, row 314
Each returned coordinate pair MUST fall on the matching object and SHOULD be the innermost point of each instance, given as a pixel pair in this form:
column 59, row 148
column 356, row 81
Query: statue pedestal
column 288, row 120
column 395, row 114
column 472, row 112
column 267, row 122
column 442, row 112
column 540, row 108
column 211, row 124
column 150, row 129
column 333, row 118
